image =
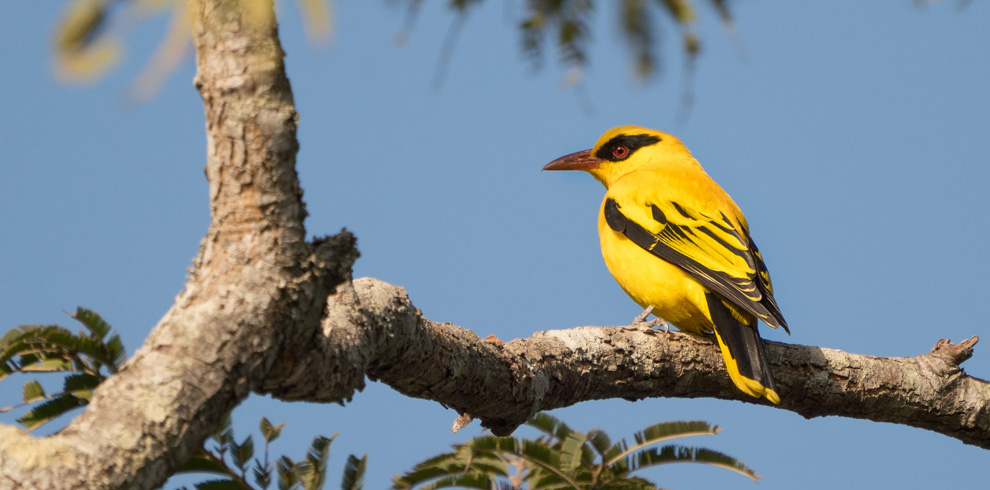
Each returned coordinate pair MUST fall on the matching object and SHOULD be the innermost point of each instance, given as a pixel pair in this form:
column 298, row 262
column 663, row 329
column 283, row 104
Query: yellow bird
column 676, row 242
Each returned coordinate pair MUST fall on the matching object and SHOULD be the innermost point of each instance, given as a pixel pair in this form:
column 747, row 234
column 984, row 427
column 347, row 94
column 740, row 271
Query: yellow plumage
column 674, row 240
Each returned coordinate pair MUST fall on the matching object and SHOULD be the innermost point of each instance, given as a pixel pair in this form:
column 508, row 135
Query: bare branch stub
column 955, row 353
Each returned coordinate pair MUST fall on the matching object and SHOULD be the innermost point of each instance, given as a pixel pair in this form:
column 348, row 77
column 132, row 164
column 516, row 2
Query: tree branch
column 256, row 290
column 372, row 328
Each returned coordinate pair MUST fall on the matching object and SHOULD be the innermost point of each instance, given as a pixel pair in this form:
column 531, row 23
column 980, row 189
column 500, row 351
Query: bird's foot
column 641, row 318
column 655, row 323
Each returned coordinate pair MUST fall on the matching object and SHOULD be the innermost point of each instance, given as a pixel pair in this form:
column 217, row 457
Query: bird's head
column 622, row 150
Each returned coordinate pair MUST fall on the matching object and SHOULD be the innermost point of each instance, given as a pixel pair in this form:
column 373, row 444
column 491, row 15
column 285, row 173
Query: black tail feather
column 743, row 341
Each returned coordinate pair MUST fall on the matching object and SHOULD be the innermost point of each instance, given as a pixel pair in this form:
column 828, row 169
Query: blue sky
column 852, row 134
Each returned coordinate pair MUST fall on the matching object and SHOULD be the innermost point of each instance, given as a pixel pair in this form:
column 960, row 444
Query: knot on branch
column 336, row 255
column 954, row 354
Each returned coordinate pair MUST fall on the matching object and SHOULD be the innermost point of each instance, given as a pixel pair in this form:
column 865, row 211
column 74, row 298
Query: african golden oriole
column 674, row 240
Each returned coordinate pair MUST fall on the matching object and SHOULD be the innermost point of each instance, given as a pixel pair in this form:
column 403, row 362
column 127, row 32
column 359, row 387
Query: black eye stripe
column 632, row 142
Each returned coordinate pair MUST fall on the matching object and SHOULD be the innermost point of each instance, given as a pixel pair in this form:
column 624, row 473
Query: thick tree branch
column 256, row 290
column 372, row 328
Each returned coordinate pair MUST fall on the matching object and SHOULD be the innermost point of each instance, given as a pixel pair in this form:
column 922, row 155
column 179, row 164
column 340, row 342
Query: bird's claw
column 655, row 323
column 641, row 318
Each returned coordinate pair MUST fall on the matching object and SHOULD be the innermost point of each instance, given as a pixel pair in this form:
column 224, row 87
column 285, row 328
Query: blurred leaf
column 354, row 473
column 286, row 469
column 569, row 18
column 167, row 56
column 242, row 453
column 681, row 10
column 562, row 459
column 33, row 392
column 260, row 14
column 550, row 425
column 571, row 451
column 79, row 24
column 52, row 348
column 317, row 19
column 313, row 474
column 47, row 365
column 268, row 431
column 262, row 476
column 204, row 462
column 88, row 63
column 222, row 485
column 224, row 435
column 670, row 430
column 603, row 444
column 35, row 344
column 722, row 7
column 93, row 322
column 682, row 454
column 638, row 31
column 49, row 410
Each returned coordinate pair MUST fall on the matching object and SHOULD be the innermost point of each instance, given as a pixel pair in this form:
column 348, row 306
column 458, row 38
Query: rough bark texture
column 257, row 288
column 260, row 313
column 372, row 328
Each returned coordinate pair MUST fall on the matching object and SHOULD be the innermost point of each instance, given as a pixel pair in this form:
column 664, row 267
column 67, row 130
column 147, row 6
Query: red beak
column 582, row 160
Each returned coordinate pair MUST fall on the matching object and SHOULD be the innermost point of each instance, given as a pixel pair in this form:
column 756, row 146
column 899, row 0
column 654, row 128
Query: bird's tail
column 742, row 350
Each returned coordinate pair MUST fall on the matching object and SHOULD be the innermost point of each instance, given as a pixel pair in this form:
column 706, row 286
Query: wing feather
column 712, row 250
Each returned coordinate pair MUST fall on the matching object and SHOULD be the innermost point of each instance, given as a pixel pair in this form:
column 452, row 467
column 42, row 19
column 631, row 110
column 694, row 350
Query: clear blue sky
column 852, row 134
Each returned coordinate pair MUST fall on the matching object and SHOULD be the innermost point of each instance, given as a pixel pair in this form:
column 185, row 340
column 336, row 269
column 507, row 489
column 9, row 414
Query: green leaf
column 42, row 342
column 242, row 453
column 287, row 470
column 116, row 353
column 603, row 444
column 638, row 27
column 262, row 475
column 354, row 473
column 462, row 467
column 568, row 20
column 204, row 462
column 681, row 454
column 681, row 10
column 45, row 366
column 547, row 459
column 571, row 452
column 313, row 473
column 9, row 337
column 222, row 485
column 97, row 327
column 470, row 480
column 550, row 425
column 50, row 410
column 113, row 352
column 80, row 22
column 670, row 430
column 224, row 435
column 33, row 392
column 268, row 431
column 77, row 382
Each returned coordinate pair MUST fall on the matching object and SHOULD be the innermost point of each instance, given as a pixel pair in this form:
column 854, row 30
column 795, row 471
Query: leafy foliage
column 234, row 462
column 88, row 38
column 86, row 48
column 90, row 355
column 93, row 354
column 562, row 458
column 354, row 473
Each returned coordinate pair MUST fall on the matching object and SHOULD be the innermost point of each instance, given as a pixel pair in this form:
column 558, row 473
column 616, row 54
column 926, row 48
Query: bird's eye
column 620, row 152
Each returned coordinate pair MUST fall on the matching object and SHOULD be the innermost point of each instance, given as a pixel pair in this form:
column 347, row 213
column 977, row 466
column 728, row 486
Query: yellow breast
column 650, row 280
